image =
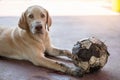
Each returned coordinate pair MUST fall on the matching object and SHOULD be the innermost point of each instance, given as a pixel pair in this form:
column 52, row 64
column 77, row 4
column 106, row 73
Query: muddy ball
column 92, row 54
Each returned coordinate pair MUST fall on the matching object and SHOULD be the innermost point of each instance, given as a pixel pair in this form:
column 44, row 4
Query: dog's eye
column 42, row 15
column 31, row 16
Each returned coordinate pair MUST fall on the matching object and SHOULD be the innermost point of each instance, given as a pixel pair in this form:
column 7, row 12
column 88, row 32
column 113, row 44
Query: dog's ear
column 49, row 21
column 23, row 22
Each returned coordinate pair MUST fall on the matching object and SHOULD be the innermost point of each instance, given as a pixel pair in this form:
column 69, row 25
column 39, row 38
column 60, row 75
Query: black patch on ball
column 94, row 69
column 86, row 54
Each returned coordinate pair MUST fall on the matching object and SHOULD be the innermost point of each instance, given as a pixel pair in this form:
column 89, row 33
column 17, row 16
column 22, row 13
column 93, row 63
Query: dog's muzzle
column 37, row 27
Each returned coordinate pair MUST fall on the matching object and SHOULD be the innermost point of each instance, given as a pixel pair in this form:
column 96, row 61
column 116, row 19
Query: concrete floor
column 65, row 31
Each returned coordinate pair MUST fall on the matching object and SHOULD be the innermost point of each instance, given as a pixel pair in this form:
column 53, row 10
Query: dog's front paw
column 70, row 55
column 75, row 58
column 77, row 72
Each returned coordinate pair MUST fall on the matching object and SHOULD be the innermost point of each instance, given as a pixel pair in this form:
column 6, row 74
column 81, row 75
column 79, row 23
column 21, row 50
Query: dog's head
column 35, row 19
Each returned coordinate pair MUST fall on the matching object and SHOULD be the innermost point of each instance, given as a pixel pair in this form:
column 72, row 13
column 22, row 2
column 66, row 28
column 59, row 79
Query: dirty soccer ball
column 92, row 54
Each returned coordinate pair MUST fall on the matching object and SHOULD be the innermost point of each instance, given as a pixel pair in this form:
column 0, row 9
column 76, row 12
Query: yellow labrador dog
column 30, row 40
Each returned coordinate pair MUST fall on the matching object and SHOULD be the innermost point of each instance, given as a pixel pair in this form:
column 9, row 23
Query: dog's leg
column 58, row 52
column 49, row 63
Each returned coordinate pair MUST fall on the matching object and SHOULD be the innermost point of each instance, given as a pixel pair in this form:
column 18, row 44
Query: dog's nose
column 38, row 27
